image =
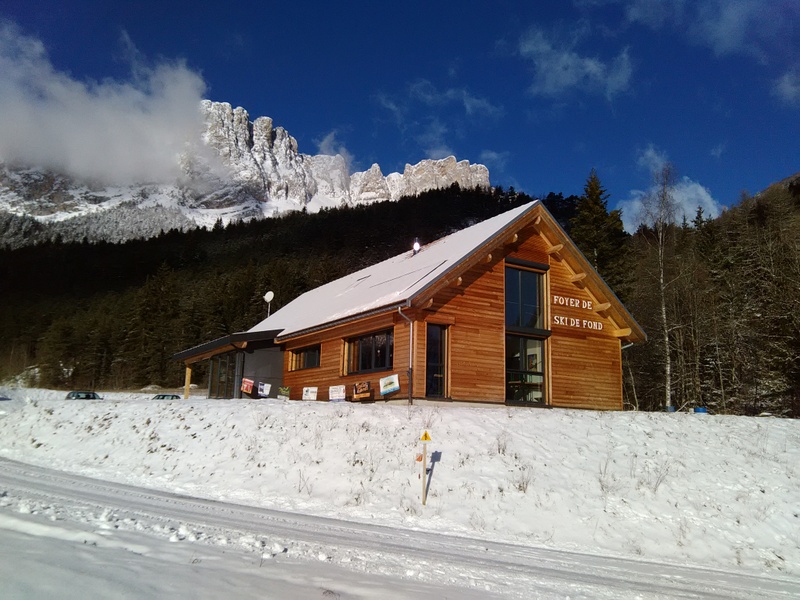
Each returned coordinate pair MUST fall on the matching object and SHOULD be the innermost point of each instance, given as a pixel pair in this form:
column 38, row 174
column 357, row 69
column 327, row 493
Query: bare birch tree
column 659, row 209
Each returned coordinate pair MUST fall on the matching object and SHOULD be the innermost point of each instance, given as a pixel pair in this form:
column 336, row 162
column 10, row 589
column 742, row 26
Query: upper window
column 373, row 352
column 524, row 299
column 306, row 358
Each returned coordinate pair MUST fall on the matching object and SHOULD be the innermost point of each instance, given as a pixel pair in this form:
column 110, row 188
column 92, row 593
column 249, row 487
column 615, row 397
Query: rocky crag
column 239, row 170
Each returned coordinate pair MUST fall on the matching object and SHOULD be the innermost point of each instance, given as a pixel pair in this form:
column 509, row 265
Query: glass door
column 436, row 361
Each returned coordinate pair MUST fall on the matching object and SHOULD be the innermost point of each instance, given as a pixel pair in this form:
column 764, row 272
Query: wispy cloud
column 560, row 68
column 425, row 92
column 652, row 159
column 496, row 161
column 432, row 139
column 110, row 131
column 331, row 146
column 718, row 150
column 688, row 194
column 787, row 88
column 725, row 26
column 432, row 117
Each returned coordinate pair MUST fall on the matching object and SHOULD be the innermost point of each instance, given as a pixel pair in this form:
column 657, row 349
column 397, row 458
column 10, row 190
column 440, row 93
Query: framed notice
column 309, row 393
column 263, row 389
column 247, row 386
column 337, row 393
column 390, row 384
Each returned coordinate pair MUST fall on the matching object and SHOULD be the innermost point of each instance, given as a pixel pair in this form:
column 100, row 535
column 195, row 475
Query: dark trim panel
column 526, row 263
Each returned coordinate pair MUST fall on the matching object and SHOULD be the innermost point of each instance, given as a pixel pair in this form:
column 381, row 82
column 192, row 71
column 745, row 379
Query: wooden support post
column 187, row 383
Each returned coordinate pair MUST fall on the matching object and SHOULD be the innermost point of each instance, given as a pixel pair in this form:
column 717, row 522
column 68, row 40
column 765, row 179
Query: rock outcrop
column 239, row 170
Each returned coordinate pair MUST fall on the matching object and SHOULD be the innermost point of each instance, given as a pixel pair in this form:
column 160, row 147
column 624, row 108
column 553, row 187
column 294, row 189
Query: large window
column 524, row 369
column 525, row 336
column 523, row 299
column 306, row 358
column 373, row 352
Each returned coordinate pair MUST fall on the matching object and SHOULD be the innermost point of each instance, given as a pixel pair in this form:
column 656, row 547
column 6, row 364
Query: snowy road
column 298, row 556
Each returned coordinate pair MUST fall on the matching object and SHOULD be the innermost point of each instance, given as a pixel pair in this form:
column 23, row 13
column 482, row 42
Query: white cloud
column 330, row 146
column 718, row 150
column 110, row 131
column 787, row 88
column 688, row 196
column 560, row 69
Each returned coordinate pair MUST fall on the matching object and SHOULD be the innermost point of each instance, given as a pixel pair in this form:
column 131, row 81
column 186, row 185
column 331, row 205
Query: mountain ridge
column 238, row 170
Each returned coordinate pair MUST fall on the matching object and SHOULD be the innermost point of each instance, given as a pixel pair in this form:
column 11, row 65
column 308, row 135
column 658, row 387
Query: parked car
column 166, row 397
column 83, row 396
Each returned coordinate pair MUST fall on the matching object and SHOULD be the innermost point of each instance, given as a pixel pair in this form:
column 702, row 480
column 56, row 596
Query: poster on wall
column 337, row 393
column 309, row 393
column 263, row 389
column 390, row 384
column 283, row 393
column 361, row 391
column 247, row 386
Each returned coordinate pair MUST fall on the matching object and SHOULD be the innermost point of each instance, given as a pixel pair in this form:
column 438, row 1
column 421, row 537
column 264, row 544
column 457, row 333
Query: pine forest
column 719, row 298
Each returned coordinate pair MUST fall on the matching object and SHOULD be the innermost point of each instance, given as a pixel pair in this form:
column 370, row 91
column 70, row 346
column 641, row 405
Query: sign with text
column 263, row 389
column 247, row 386
column 337, row 393
column 578, row 323
column 283, row 393
column 309, row 393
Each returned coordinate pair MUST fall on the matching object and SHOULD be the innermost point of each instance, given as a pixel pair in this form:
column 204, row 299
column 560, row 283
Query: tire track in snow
column 509, row 569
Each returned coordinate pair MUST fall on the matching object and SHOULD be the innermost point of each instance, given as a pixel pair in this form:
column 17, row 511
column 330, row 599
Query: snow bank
column 681, row 488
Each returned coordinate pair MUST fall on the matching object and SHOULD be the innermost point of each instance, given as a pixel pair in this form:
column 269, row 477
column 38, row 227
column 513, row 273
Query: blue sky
column 540, row 92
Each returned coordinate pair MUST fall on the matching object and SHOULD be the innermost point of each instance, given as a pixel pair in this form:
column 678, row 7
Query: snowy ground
column 702, row 491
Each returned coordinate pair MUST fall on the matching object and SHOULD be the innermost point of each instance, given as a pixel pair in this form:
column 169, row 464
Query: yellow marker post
column 425, row 439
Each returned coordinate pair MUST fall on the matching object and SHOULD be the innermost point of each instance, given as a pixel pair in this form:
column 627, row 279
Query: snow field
column 679, row 488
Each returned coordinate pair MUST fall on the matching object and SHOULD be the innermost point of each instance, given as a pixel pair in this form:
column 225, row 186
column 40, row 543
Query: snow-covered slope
column 691, row 489
column 239, row 170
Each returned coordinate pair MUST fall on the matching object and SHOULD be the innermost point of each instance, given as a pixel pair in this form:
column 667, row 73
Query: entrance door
column 436, row 361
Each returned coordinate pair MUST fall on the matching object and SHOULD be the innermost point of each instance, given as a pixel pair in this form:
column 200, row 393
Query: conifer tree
column 600, row 234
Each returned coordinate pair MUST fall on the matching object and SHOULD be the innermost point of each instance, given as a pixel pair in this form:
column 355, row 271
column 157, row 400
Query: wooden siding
column 475, row 313
column 332, row 358
column 585, row 363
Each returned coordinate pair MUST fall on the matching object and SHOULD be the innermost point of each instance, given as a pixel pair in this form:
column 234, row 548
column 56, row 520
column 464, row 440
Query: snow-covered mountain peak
column 239, row 170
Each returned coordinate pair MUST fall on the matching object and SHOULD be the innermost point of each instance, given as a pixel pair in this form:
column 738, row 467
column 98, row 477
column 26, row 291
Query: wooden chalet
column 506, row 311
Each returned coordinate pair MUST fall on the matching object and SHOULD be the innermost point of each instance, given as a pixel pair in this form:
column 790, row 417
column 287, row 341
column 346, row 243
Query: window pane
column 365, row 353
column 381, row 350
column 513, row 353
column 531, row 316
column 512, row 297
column 534, row 355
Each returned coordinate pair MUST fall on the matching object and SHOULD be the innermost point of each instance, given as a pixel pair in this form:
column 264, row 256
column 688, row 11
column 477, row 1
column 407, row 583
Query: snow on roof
column 388, row 284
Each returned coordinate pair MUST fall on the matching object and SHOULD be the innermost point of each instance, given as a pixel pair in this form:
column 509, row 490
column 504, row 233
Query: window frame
column 520, row 271
column 354, row 357
column 524, row 378
column 299, row 358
